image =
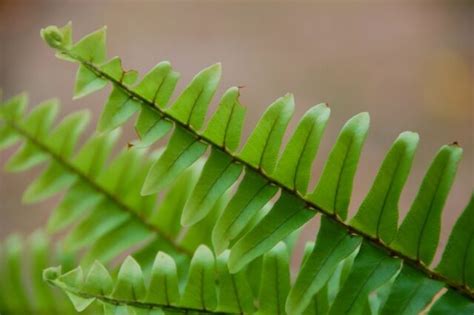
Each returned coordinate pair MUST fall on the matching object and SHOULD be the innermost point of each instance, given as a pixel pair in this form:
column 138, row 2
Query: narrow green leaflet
column 87, row 82
column 234, row 291
column 252, row 194
column 117, row 241
column 411, row 293
column 72, row 280
column 458, row 257
column 325, row 298
column 334, row 188
column 294, row 167
column 53, row 180
column 8, row 136
column 164, row 281
column 288, row 214
column 118, row 109
column 200, row 291
column 36, row 126
column 219, row 173
column 452, row 303
column 11, row 110
column 14, row 108
column 150, row 127
column 379, row 296
column 378, row 213
column 191, row 106
column 130, row 285
column 332, row 246
column 113, row 68
column 98, row 280
column 181, row 152
column 105, row 217
column 275, row 281
column 62, row 142
column 372, row 268
column 91, row 158
column 199, row 234
column 225, row 126
column 262, row 147
column 167, row 216
column 91, row 48
column 80, row 198
column 418, row 235
column 64, row 138
column 158, row 84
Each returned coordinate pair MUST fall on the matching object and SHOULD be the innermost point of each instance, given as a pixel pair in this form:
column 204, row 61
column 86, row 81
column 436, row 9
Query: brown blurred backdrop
column 410, row 64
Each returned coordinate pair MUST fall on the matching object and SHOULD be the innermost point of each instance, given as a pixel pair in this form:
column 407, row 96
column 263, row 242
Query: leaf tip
column 52, row 273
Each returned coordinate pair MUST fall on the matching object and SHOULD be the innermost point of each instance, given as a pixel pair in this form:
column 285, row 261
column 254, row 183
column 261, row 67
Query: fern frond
column 22, row 289
column 208, row 288
column 415, row 246
column 259, row 158
column 102, row 202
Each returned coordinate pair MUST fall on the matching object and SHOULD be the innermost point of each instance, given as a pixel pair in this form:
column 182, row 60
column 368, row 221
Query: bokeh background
column 409, row 63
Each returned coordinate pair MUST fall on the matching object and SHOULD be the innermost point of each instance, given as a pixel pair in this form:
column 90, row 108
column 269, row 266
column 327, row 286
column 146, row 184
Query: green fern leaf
column 164, row 281
column 234, row 291
column 191, row 106
column 87, row 82
column 294, row 167
column 225, row 126
column 410, row 293
column 458, row 257
column 253, row 193
column 275, row 282
column 378, row 214
column 218, row 174
column 38, row 123
column 199, row 292
column 286, row 216
column 130, row 284
column 334, row 188
column 452, row 303
column 98, row 280
column 119, row 108
column 418, row 235
column 372, row 268
column 182, row 151
column 332, row 246
column 261, row 149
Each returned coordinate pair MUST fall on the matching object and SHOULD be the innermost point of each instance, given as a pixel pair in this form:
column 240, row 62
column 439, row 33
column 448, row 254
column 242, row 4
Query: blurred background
column 408, row 63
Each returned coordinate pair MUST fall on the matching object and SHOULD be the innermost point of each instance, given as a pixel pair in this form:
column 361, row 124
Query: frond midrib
column 310, row 205
column 94, row 185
